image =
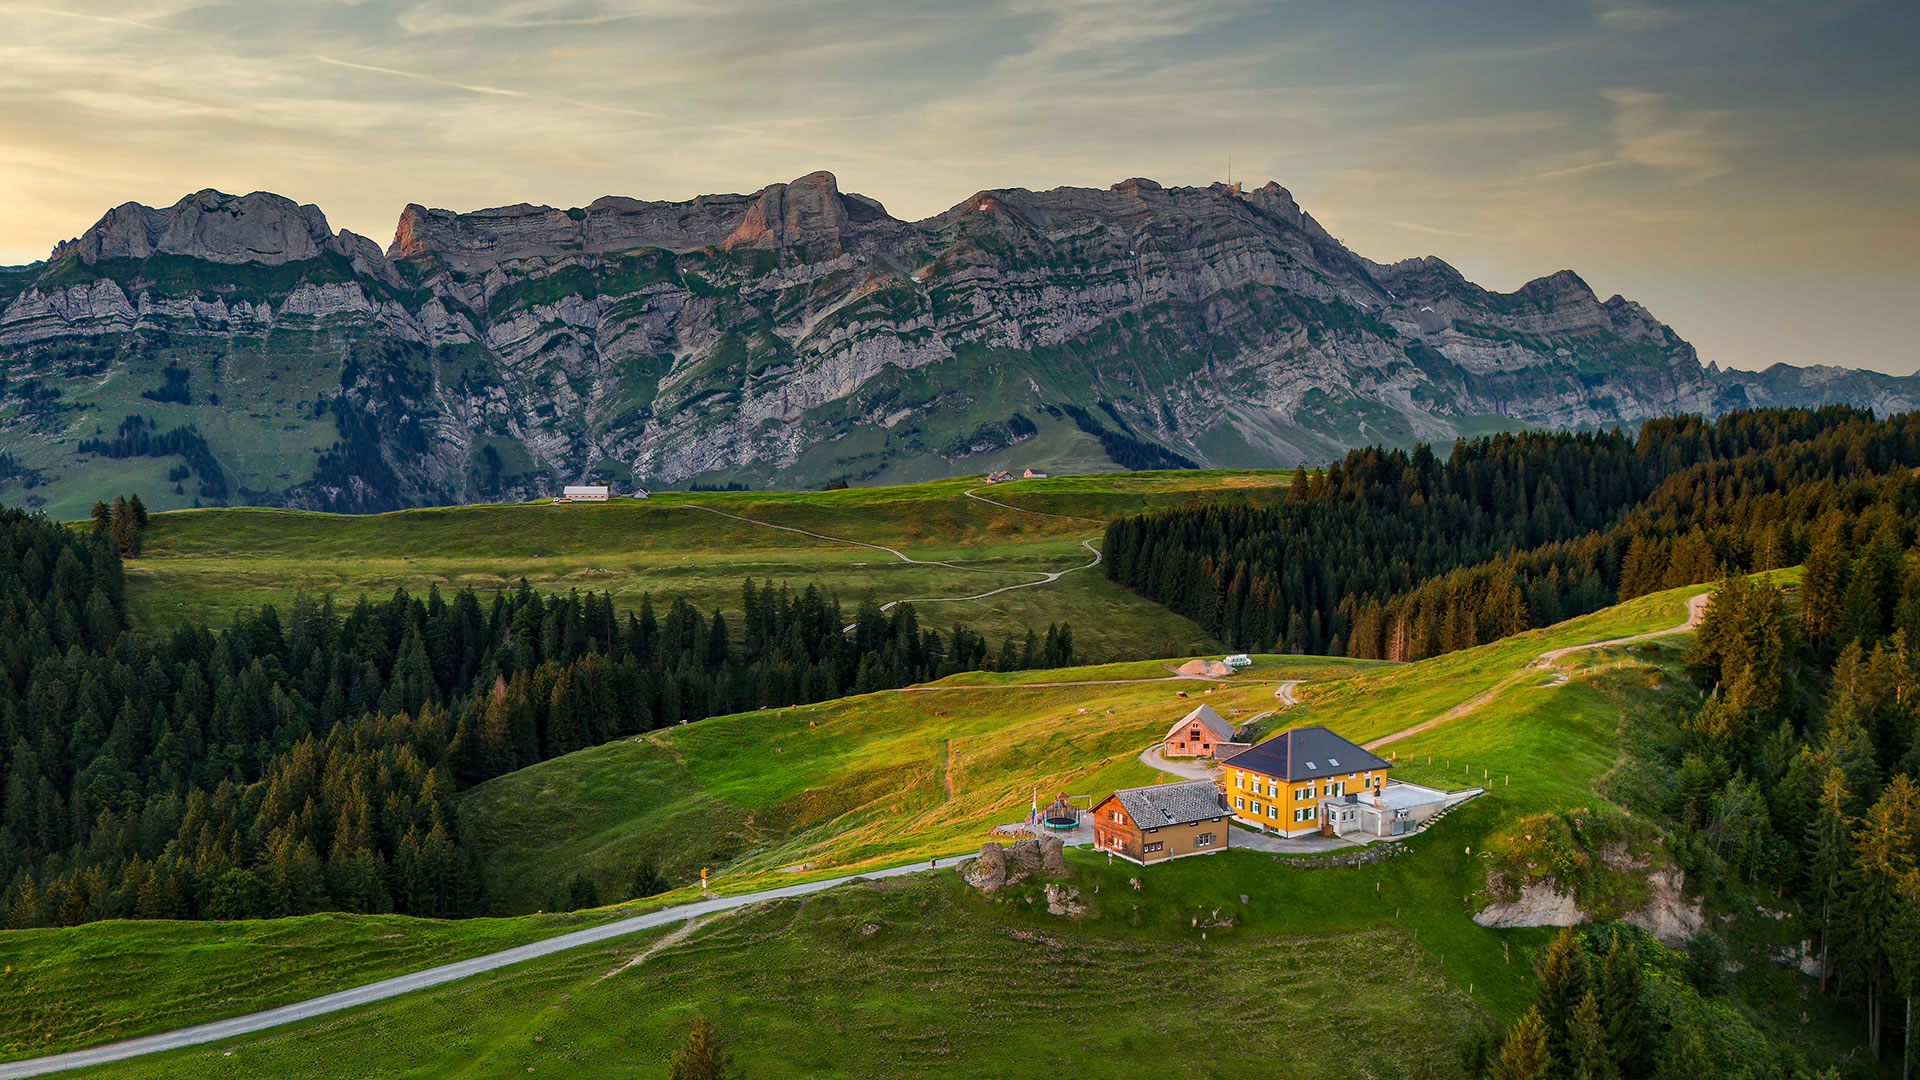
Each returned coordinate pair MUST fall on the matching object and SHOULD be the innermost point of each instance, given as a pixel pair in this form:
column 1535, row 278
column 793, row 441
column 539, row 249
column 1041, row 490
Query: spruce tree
column 702, row 1056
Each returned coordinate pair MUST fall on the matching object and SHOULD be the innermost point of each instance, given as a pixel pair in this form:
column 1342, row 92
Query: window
column 1155, row 846
column 1118, row 817
column 1305, row 813
column 1205, row 839
column 1239, row 803
column 1256, row 808
column 1239, row 779
column 1273, row 789
column 1273, row 811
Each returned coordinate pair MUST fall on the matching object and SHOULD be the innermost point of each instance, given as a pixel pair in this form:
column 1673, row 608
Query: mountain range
column 236, row 349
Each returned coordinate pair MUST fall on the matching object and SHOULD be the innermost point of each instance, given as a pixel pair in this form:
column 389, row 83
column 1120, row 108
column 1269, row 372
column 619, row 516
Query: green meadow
column 205, row 565
column 105, row 981
column 920, row 975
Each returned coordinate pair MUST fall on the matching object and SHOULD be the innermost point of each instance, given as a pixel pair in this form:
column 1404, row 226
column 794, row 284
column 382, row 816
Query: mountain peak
column 259, row 227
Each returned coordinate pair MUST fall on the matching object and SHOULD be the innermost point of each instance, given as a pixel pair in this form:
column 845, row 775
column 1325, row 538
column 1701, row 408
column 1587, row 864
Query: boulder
column 987, row 871
column 1064, row 900
column 1024, row 854
column 1053, row 857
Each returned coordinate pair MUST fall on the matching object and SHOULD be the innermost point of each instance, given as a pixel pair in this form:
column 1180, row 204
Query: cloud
column 1479, row 127
column 1430, row 230
column 1633, row 16
column 1686, row 144
column 469, row 87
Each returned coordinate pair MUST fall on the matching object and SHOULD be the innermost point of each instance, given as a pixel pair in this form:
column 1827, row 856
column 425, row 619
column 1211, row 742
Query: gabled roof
column 1205, row 716
column 1171, row 804
column 1307, row 753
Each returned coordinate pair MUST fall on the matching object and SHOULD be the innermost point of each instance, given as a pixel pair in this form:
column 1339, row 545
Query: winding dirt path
column 1696, row 610
column 1285, row 692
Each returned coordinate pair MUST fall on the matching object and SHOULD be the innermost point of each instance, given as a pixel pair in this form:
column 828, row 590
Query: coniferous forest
column 306, row 760
column 1402, row 556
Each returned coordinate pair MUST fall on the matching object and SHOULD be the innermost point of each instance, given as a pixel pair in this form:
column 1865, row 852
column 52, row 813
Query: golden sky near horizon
column 1748, row 171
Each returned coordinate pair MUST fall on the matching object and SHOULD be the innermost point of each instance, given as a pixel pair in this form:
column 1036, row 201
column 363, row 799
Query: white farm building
column 584, row 493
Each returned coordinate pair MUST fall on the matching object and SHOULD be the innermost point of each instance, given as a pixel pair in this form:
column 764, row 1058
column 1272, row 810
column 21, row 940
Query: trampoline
column 1061, row 816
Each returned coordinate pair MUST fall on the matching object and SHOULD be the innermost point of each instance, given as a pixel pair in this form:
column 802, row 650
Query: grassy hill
column 202, row 565
column 918, row 974
column 916, row 977
column 105, row 981
column 872, row 780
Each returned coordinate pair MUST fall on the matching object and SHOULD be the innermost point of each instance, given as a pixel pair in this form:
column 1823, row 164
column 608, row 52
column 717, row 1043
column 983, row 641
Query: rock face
column 801, row 335
column 1668, row 916
column 987, row 871
column 259, row 228
column 1539, row 904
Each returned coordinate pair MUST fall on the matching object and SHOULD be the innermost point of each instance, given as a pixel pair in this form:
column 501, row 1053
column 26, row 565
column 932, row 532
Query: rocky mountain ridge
column 799, row 335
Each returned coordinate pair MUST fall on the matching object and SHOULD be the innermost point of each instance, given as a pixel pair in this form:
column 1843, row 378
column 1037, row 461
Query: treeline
column 1126, row 450
column 1613, row 1004
column 1402, row 556
column 308, row 761
column 137, row 437
column 1798, row 773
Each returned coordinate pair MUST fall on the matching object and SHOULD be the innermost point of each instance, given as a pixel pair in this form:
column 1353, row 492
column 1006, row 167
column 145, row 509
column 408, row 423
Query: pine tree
column 1524, row 1056
column 1884, row 844
column 1564, row 980
column 702, row 1056
column 1588, row 1054
column 1628, row 1030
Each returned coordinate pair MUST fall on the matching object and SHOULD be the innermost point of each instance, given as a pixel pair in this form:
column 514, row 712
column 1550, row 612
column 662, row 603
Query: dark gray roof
column 1172, row 804
column 1307, row 753
column 1215, row 724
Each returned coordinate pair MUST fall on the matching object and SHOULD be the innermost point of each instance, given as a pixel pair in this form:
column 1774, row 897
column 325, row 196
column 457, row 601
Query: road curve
column 420, row 980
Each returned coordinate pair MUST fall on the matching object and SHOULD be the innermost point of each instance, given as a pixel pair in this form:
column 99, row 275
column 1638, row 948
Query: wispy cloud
column 1430, row 230
column 469, row 87
column 1634, row 16
column 1686, row 144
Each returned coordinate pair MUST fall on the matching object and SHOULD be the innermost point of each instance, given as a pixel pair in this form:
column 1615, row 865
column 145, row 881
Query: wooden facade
column 1118, row 829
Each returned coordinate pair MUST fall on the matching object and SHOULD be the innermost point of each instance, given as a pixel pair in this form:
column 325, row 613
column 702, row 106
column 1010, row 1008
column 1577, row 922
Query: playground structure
column 1061, row 815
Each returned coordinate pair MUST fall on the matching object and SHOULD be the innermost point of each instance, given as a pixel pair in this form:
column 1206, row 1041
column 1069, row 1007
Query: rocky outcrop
column 988, row 870
column 219, row 228
column 1668, row 915
column 737, row 333
column 1064, row 900
column 1539, row 904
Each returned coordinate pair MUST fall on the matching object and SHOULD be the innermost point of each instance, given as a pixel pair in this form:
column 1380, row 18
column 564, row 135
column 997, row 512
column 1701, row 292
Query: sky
column 1748, row 171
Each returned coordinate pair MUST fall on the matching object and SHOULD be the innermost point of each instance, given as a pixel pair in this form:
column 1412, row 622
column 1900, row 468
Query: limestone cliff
column 802, row 335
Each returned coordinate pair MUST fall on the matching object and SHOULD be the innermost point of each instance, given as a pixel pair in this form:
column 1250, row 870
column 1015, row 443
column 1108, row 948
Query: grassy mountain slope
column 203, row 565
column 920, row 974
column 105, row 981
column 873, row 780
column 914, row 977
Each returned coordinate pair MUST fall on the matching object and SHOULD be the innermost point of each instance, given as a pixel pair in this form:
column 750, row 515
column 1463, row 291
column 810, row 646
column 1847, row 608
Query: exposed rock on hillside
column 801, row 335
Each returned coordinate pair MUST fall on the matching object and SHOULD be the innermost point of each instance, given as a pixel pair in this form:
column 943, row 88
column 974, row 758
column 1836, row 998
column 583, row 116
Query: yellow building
column 1282, row 784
